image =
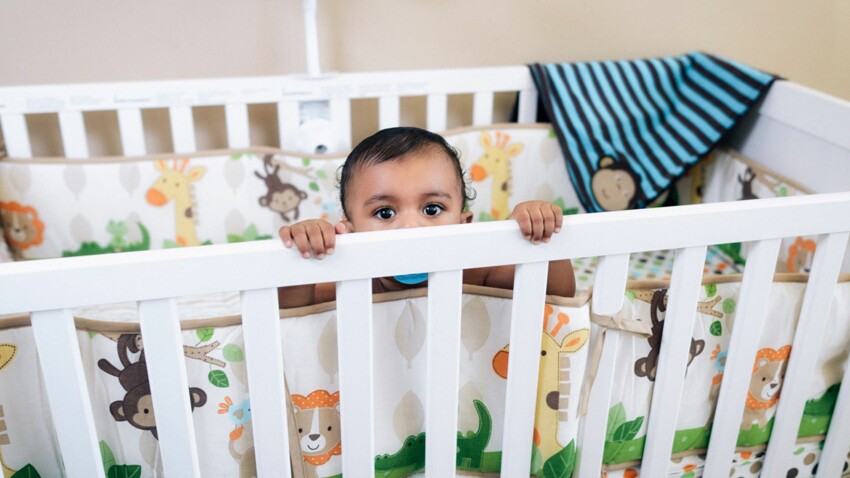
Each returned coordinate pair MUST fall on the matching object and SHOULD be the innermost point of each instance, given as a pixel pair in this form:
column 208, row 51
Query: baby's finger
column 343, row 227
column 522, row 218
column 548, row 214
column 559, row 218
column 302, row 242
column 329, row 236
column 285, row 234
column 316, row 238
column 536, row 216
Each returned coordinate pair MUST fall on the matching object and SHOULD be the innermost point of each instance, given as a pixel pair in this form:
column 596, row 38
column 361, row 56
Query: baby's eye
column 432, row 209
column 384, row 213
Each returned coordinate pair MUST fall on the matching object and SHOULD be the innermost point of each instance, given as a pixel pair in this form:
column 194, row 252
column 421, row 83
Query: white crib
column 792, row 123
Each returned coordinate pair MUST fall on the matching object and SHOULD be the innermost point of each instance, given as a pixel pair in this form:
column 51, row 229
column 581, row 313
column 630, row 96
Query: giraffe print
column 175, row 183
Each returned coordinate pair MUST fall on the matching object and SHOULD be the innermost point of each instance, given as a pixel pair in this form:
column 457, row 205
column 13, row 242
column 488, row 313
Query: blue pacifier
column 412, row 278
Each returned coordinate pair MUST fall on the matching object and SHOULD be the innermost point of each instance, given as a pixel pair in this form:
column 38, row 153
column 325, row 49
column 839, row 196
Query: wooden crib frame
column 792, row 123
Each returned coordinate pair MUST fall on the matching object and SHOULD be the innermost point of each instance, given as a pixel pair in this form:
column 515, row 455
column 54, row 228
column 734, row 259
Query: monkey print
column 137, row 406
column 648, row 366
column 614, row 186
column 747, row 184
column 281, row 197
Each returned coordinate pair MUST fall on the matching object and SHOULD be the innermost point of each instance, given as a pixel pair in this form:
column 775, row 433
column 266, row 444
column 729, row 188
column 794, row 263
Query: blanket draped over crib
column 628, row 129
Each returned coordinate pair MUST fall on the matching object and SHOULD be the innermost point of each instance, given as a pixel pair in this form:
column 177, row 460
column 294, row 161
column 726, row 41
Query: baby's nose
column 411, row 220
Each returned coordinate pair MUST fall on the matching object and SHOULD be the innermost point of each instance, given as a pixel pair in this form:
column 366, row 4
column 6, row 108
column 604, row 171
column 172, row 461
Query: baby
column 409, row 177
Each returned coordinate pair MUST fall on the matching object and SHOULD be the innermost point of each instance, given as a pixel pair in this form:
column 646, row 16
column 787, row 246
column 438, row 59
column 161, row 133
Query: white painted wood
column 808, row 338
column 527, row 106
column 287, row 123
column 257, row 265
column 67, row 393
column 356, row 391
column 389, row 113
column 163, row 349
column 15, row 135
column 437, row 110
column 443, row 372
column 341, row 118
column 73, row 131
column 182, row 129
column 521, row 394
column 264, row 360
column 837, row 443
column 673, row 359
column 594, row 425
column 262, row 89
column 749, row 320
column 482, row 108
column 132, row 132
column 609, row 284
column 236, row 118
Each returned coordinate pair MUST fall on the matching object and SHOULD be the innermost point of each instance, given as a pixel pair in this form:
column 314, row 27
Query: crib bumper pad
column 641, row 322
column 216, row 372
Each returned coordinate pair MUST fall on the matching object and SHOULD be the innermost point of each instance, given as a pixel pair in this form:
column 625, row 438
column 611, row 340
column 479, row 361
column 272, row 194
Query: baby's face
column 419, row 189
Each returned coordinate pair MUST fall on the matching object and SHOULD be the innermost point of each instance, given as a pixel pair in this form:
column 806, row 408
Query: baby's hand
column 538, row 220
column 313, row 236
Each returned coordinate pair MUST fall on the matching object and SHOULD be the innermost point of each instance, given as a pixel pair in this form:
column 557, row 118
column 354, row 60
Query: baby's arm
column 313, row 237
column 537, row 220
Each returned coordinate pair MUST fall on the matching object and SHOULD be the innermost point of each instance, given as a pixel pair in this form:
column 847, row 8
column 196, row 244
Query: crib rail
column 50, row 288
column 288, row 93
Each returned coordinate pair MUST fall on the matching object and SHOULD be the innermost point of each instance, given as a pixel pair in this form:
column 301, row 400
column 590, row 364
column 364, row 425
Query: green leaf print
column 125, row 471
column 27, row 472
column 233, row 353
column 107, row 456
column 628, row 430
column 729, row 306
column 616, row 417
column 716, row 328
column 219, row 378
column 305, row 161
column 710, row 290
column 561, row 464
column 314, row 186
column 204, row 334
column 536, row 461
column 630, row 294
column 321, row 174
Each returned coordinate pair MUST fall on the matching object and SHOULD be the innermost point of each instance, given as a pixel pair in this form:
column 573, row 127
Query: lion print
column 317, row 423
column 765, row 384
column 21, row 227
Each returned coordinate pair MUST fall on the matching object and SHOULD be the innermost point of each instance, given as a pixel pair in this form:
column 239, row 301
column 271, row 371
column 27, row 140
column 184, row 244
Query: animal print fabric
column 637, row 358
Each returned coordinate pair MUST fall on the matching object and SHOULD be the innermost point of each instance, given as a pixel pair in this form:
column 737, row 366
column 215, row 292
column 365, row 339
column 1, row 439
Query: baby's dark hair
column 393, row 143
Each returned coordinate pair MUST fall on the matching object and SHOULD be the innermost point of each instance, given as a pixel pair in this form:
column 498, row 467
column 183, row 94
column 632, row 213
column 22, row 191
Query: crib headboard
column 296, row 98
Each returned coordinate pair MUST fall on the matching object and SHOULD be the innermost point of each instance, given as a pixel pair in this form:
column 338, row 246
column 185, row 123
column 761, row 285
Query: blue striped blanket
column 629, row 129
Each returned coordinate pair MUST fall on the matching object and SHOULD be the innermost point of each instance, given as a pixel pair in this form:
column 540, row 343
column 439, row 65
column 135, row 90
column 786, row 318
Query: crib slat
column 16, row 135
column 287, row 123
column 751, row 310
column 357, row 410
column 437, row 107
column 804, row 351
column 521, row 396
column 73, row 130
column 163, row 347
column 482, row 108
column 673, row 359
column 388, row 111
column 443, row 373
column 182, row 129
column 236, row 117
column 264, row 360
column 527, row 106
column 594, row 425
column 838, row 437
column 132, row 132
column 341, row 118
column 609, row 285
column 67, row 393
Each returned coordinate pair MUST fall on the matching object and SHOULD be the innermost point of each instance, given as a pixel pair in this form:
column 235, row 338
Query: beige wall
column 53, row 41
